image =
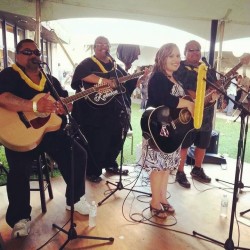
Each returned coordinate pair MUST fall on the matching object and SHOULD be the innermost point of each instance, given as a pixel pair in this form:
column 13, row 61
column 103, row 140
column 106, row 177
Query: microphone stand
column 119, row 185
column 73, row 132
column 229, row 244
column 239, row 106
column 247, row 96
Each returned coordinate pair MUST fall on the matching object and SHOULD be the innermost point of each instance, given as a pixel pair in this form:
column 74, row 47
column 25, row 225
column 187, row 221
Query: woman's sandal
column 168, row 208
column 159, row 213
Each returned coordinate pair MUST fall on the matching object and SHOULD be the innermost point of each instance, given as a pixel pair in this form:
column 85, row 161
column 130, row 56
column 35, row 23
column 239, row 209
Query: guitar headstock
column 245, row 59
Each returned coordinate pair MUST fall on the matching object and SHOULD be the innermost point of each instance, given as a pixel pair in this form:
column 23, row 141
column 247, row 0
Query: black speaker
column 214, row 143
column 211, row 155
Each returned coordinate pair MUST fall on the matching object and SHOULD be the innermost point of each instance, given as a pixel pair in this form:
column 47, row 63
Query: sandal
column 168, row 208
column 116, row 171
column 159, row 213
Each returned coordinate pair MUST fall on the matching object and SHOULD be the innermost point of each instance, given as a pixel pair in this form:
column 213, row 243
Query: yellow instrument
column 200, row 95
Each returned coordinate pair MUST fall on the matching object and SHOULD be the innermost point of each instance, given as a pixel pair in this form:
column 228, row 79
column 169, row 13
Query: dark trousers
column 58, row 145
column 104, row 144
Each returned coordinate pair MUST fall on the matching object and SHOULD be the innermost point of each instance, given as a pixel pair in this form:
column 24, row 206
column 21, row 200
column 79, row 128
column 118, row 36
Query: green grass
column 228, row 139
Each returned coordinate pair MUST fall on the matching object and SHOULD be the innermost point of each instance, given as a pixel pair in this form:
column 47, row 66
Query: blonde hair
column 161, row 56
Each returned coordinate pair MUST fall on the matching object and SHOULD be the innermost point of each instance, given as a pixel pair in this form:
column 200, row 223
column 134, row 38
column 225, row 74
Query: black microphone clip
column 206, row 62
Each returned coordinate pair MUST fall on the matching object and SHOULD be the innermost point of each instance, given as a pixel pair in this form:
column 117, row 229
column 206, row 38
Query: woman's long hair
column 161, row 56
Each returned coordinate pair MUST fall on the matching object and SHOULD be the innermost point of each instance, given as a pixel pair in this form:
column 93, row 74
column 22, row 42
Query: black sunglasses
column 29, row 52
column 194, row 50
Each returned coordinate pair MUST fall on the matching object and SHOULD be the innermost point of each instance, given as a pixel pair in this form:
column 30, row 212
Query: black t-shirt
column 88, row 67
column 98, row 114
column 187, row 75
column 10, row 81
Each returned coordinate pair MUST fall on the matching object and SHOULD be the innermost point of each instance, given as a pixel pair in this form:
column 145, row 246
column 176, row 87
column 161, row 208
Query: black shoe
column 182, row 179
column 199, row 175
column 116, row 171
column 94, row 178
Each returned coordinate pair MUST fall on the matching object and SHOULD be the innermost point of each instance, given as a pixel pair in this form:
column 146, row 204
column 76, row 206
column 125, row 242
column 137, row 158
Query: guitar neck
column 82, row 94
column 224, row 81
column 129, row 77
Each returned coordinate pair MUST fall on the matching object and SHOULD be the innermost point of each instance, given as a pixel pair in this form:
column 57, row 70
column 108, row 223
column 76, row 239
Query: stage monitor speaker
column 211, row 155
column 214, row 143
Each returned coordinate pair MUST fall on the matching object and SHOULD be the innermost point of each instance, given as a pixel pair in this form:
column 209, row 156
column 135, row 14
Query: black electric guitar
column 104, row 97
column 167, row 127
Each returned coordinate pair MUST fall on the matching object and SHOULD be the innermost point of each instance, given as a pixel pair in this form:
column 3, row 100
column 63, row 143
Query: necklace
column 39, row 87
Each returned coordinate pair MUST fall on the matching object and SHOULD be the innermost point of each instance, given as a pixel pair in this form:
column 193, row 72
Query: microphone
column 35, row 61
column 206, row 62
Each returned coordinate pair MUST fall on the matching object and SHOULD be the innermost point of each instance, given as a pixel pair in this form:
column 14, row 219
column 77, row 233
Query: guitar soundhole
column 184, row 116
column 39, row 122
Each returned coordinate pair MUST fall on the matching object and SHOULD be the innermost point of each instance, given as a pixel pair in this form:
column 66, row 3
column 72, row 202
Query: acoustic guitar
column 167, row 127
column 23, row 131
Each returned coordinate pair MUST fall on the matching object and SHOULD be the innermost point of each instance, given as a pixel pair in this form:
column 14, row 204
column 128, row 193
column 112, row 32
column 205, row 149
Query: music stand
column 74, row 133
column 119, row 185
column 229, row 244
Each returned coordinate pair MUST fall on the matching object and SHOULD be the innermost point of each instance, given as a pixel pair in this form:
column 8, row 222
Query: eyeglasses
column 29, row 52
column 107, row 45
column 194, row 50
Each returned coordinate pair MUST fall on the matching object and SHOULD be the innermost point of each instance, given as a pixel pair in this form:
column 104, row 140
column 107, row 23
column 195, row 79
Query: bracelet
column 100, row 80
column 34, row 106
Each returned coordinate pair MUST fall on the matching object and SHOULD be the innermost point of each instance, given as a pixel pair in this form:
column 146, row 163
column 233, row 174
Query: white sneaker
column 82, row 206
column 21, row 228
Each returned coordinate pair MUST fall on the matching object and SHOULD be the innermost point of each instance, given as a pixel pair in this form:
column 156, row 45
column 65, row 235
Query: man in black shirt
column 187, row 75
column 19, row 86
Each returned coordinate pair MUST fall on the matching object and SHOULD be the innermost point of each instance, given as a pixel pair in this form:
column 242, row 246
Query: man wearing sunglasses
column 187, row 75
column 18, row 86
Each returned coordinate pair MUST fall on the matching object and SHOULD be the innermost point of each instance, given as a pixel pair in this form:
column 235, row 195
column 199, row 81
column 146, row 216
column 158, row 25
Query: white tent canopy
column 193, row 16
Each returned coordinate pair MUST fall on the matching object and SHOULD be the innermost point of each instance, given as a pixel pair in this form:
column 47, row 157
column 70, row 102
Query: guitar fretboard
column 226, row 79
column 86, row 92
column 129, row 77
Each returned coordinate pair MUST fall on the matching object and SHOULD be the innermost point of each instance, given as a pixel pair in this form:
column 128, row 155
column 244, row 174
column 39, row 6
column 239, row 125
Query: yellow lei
column 194, row 69
column 39, row 87
column 100, row 65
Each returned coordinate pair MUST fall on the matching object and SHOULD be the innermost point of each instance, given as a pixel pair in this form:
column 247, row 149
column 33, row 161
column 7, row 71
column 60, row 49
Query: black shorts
column 200, row 139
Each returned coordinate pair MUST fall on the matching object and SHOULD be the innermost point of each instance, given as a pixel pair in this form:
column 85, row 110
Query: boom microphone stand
column 119, row 185
column 229, row 244
column 74, row 133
